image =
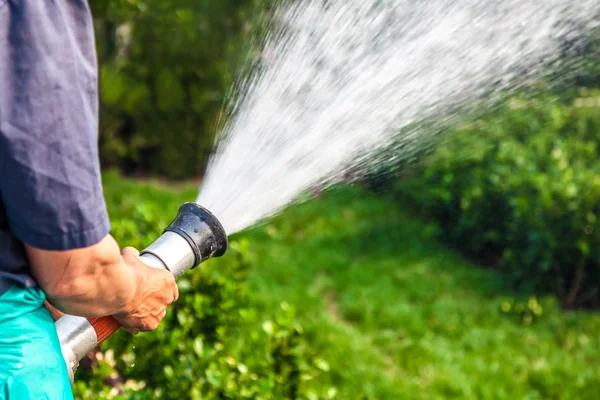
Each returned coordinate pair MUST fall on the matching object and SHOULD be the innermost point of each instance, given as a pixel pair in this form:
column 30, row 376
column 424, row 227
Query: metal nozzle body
column 194, row 236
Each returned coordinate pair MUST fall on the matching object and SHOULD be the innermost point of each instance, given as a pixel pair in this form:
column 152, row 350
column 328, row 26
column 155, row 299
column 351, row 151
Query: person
column 55, row 243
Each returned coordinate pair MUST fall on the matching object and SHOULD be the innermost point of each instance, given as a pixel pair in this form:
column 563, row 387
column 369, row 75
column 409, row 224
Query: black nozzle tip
column 212, row 222
column 201, row 229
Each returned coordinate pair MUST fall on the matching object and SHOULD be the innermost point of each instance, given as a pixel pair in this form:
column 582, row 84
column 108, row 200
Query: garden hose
column 193, row 237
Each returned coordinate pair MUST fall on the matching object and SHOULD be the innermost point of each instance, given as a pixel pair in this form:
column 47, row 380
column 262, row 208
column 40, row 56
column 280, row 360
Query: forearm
column 105, row 292
column 93, row 282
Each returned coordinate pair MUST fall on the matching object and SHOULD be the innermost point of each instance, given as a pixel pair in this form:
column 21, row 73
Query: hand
column 155, row 290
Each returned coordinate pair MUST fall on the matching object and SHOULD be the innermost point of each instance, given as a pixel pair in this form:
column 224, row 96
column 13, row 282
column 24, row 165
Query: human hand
column 155, row 290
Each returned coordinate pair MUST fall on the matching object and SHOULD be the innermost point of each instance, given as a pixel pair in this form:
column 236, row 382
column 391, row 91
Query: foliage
column 213, row 344
column 165, row 68
column 399, row 316
column 577, row 64
column 520, row 189
column 382, row 311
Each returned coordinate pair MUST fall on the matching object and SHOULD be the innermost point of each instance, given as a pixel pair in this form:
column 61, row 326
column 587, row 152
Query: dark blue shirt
column 50, row 188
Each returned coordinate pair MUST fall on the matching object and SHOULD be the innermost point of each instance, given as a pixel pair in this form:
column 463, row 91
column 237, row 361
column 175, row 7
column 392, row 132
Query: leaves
column 528, row 197
column 165, row 66
column 212, row 344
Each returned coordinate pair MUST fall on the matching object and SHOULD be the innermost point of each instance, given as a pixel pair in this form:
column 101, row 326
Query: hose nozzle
column 204, row 233
column 194, row 236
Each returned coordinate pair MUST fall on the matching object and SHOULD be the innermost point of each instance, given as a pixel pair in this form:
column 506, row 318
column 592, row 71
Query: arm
column 92, row 281
column 98, row 280
column 50, row 182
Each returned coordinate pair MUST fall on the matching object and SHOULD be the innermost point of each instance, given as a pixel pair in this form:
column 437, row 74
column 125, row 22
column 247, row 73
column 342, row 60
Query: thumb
column 130, row 251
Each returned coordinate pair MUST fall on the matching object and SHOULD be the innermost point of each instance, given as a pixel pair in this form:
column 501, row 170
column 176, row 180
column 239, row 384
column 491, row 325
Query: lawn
column 392, row 313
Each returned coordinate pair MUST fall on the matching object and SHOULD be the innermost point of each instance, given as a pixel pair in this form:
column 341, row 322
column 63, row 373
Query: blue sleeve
column 50, row 180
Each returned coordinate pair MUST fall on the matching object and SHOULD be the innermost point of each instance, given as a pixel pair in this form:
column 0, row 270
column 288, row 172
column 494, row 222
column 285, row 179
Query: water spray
column 193, row 237
column 338, row 81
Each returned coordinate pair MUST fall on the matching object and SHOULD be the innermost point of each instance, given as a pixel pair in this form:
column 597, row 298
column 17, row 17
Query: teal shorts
column 31, row 362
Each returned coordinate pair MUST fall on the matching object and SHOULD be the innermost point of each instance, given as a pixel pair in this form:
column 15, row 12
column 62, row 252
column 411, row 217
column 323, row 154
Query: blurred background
column 472, row 272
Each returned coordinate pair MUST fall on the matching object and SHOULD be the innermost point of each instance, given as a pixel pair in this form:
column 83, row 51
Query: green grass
column 396, row 315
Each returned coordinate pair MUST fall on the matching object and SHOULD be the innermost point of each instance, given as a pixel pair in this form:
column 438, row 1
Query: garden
column 472, row 273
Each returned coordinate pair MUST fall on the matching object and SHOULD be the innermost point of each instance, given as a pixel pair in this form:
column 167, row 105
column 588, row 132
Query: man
column 54, row 240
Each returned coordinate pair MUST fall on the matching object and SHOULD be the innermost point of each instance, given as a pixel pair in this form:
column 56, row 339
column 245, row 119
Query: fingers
column 162, row 315
column 135, row 325
column 166, row 281
column 131, row 256
column 157, row 290
column 133, row 331
column 175, row 291
column 151, row 323
column 147, row 318
column 130, row 251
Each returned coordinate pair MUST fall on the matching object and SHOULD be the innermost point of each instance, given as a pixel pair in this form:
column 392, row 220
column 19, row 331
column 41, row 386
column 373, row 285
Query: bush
column 212, row 343
column 521, row 189
column 165, row 68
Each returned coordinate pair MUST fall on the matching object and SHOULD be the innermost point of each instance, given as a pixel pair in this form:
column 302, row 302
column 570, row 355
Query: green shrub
column 165, row 69
column 521, row 189
column 394, row 314
column 212, row 344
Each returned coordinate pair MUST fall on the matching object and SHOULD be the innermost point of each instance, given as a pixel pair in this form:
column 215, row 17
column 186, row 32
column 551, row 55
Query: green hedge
column 520, row 189
column 166, row 67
